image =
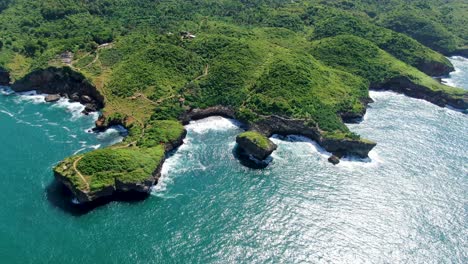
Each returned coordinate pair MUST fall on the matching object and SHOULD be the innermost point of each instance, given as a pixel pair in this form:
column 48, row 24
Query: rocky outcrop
column 407, row 87
column 63, row 81
column 4, row 77
column 435, row 68
column 334, row 160
column 197, row 113
column 460, row 52
column 105, row 121
column 253, row 148
column 356, row 117
column 283, row 126
column 52, row 98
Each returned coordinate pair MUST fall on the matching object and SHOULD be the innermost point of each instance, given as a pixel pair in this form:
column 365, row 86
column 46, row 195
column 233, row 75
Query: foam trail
column 6, row 112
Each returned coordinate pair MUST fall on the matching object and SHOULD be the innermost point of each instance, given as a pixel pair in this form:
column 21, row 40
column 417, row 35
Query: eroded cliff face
column 65, row 82
column 341, row 147
column 407, row 87
column 434, row 68
column 4, row 77
column 460, row 52
column 197, row 113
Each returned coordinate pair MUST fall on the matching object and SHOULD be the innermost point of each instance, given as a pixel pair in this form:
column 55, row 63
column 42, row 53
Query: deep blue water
column 407, row 203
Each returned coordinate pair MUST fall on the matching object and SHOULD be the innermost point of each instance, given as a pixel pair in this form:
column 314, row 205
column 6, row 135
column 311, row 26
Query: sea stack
column 256, row 145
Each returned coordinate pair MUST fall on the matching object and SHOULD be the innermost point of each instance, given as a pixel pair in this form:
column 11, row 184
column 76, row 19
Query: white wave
column 95, row 146
column 171, row 164
column 75, row 108
column 353, row 163
column 6, row 112
column 455, row 78
column 212, row 123
column 32, row 96
column 311, row 144
column 19, row 121
column 78, row 151
column 5, row 90
column 112, row 135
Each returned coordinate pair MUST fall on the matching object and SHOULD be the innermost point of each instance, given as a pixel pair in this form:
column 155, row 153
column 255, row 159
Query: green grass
column 363, row 58
column 129, row 165
column 258, row 139
column 161, row 132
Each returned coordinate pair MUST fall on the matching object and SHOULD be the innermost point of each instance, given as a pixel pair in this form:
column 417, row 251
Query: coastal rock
column 61, row 81
column 74, row 97
column 89, row 108
column 197, row 113
column 435, row 68
column 356, row 117
column 334, row 160
column 283, row 126
column 52, row 98
column 105, row 121
column 85, row 99
column 4, row 77
column 407, row 87
column 256, row 145
column 460, row 52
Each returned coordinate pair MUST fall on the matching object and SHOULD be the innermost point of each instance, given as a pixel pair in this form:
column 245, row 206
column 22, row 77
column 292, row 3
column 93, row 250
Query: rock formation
column 52, row 98
column 63, row 81
column 256, row 145
column 4, row 77
column 405, row 86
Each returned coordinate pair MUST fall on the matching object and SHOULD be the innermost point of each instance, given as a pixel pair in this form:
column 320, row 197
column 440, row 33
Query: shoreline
column 266, row 125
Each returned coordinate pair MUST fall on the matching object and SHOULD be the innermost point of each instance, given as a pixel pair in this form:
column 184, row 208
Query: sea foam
column 172, row 163
column 212, row 123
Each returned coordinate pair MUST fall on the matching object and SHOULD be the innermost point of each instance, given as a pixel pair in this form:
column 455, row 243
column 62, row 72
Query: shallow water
column 407, row 203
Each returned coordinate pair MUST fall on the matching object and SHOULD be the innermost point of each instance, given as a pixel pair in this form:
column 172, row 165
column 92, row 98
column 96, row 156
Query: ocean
column 406, row 203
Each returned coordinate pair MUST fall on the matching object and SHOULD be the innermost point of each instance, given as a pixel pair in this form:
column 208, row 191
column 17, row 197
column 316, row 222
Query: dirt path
column 205, row 73
column 79, row 173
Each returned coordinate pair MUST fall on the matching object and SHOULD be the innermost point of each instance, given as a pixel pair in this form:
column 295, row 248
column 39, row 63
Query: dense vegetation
column 310, row 59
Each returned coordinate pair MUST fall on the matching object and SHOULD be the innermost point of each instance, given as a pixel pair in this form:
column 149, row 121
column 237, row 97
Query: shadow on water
column 249, row 162
column 61, row 197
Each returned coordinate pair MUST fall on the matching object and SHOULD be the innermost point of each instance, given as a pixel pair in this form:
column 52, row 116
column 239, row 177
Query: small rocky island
column 256, row 145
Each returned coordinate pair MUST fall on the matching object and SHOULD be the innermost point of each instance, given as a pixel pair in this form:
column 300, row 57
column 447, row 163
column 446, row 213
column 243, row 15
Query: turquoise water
column 407, row 203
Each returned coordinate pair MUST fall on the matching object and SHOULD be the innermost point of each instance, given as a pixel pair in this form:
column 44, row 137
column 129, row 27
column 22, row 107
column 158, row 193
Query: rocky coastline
column 435, row 68
column 405, row 86
column 63, row 82
column 4, row 77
